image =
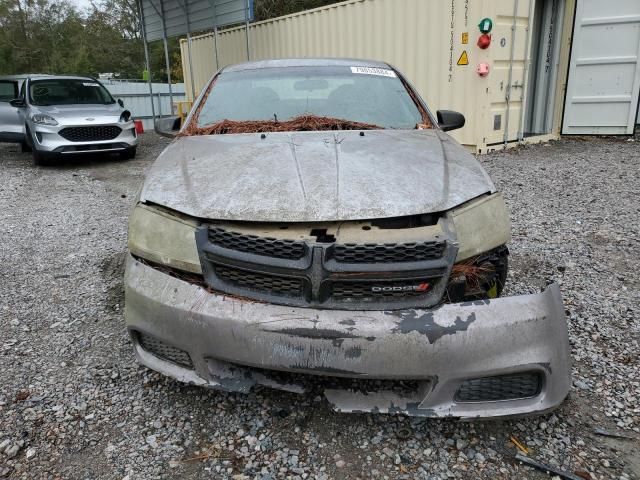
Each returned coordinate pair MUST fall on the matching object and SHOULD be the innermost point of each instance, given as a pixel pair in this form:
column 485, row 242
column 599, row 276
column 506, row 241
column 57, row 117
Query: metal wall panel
column 137, row 100
column 423, row 39
column 604, row 74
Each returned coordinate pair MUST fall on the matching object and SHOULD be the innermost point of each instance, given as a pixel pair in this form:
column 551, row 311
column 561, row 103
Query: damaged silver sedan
column 312, row 226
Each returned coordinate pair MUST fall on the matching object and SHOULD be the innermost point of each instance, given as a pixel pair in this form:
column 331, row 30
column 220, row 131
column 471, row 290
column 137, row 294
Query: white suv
column 64, row 116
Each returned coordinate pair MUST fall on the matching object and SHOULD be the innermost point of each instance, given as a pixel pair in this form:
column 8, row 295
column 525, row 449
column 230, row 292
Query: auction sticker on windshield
column 373, row 71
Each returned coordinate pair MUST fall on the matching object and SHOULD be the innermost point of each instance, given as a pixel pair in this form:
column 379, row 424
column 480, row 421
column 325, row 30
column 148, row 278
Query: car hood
column 80, row 113
column 314, row 176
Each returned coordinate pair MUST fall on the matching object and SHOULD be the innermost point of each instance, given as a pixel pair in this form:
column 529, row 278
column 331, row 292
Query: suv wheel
column 24, row 147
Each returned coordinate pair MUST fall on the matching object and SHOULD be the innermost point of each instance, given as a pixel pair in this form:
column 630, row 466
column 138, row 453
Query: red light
column 484, row 41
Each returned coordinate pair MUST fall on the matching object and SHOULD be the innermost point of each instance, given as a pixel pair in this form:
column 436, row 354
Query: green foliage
column 265, row 9
column 55, row 36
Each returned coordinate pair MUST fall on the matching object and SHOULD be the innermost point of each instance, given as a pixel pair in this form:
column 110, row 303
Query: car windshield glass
column 374, row 96
column 68, row 92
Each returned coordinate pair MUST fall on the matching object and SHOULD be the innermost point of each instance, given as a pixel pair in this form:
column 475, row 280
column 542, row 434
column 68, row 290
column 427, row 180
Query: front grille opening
column 411, row 221
column 322, row 236
column 388, row 252
column 312, row 267
column 501, row 387
column 372, row 290
column 263, row 282
column 265, row 246
column 323, row 381
column 90, row 134
column 164, row 350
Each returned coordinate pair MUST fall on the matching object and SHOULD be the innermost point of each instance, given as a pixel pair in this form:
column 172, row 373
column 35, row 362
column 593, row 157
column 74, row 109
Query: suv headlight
column 125, row 117
column 481, row 225
column 43, row 119
column 161, row 237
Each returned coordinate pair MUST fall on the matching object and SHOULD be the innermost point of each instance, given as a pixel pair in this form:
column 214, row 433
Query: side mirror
column 167, row 127
column 120, row 102
column 18, row 103
column 450, row 120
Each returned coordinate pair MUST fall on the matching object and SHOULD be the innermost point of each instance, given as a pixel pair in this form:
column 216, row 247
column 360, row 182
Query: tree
column 265, row 9
column 54, row 36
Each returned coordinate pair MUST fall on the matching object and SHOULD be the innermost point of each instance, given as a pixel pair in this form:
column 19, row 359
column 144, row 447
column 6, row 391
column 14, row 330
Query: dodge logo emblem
column 420, row 287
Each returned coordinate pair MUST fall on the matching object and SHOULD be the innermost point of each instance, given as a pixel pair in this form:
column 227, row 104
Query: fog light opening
column 514, row 386
column 163, row 350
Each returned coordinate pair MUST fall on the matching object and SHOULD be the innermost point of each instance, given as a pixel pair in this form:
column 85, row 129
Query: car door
column 11, row 127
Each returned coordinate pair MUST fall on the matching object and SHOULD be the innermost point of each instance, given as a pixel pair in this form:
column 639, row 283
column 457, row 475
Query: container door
column 604, row 75
column 506, row 79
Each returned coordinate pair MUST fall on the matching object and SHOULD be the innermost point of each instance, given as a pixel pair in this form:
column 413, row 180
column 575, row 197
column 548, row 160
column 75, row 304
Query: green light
column 485, row 25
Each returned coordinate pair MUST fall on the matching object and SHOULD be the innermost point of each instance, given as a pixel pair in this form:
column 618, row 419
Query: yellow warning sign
column 465, row 38
column 464, row 58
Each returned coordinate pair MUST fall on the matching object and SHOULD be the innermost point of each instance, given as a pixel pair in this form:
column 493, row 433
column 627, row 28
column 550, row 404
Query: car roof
column 60, row 77
column 306, row 62
column 22, row 76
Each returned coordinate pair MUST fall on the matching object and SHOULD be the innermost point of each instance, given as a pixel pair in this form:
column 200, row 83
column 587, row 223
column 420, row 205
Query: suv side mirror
column 18, row 103
column 450, row 120
column 167, row 127
column 120, row 102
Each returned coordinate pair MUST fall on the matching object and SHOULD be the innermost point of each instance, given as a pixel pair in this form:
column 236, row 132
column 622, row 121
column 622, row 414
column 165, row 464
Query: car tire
column 129, row 153
column 24, row 147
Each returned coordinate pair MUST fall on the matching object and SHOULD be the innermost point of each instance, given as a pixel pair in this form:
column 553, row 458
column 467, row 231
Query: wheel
column 24, row 147
column 40, row 158
column 128, row 153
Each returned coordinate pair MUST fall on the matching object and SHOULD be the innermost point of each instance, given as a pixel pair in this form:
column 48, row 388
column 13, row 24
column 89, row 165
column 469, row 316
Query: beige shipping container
column 433, row 42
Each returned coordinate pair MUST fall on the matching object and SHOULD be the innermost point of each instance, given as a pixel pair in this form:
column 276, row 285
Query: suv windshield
column 374, row 96
column 68, row 92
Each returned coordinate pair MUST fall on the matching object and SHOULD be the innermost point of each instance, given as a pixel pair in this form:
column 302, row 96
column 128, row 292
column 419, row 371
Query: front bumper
column 234, row 344
column 47, row 139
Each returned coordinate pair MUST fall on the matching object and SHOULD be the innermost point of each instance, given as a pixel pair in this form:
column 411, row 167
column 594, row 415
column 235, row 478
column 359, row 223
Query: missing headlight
column 478, row 278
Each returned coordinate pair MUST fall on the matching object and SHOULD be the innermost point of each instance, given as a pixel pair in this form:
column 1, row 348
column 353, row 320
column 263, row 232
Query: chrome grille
column 388, row 252
column 90, row 134
column 267, row 246
column 501, row 387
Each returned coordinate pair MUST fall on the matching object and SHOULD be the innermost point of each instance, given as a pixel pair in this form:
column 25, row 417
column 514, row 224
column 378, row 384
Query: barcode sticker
column 383, row 72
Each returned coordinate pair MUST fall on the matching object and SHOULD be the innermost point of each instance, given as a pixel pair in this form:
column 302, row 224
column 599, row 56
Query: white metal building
column 554, row 66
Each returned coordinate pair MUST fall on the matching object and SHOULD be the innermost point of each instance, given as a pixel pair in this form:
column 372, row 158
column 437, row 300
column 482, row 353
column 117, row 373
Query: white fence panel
column 137, row 100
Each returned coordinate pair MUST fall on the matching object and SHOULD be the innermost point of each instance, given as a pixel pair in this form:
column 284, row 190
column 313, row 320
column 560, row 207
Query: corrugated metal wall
column 422, row 38
column 137, row 100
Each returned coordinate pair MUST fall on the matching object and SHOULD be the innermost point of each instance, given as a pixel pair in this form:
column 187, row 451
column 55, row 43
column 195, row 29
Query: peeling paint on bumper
column 234, row 344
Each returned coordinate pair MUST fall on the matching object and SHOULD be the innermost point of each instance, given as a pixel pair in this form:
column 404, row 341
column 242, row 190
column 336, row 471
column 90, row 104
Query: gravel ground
column 74, row 403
